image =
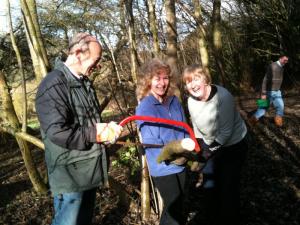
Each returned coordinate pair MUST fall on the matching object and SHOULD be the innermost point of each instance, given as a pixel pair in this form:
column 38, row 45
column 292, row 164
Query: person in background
column 271, row 91
column 221, row 133
column 155, row 90
column 73, row 134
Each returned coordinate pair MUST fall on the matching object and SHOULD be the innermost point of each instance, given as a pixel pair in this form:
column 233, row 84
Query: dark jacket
column 68, row 109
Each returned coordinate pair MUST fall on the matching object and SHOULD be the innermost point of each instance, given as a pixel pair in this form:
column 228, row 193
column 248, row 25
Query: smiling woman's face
column 159, row 84
column 197, row 86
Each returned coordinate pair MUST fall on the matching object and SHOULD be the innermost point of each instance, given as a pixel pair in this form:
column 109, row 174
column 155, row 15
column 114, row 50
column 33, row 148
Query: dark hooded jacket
column 68, row 109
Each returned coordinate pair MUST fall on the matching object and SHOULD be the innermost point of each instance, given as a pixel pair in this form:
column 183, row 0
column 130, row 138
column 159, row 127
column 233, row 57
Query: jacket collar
column 152, row 100
column 279, row 64
column 73, row 80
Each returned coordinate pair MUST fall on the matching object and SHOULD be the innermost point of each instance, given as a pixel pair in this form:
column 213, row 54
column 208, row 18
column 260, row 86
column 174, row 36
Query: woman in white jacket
column 221, row 133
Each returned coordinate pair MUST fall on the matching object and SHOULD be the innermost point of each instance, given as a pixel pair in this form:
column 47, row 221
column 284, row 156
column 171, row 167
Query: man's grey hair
column 81, row 41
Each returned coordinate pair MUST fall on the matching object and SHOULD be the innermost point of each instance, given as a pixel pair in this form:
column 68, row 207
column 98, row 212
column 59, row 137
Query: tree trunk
column 201, row 37
column 217, row 39
column 171, row 36
column 145, row 190
column 145, row 193
column 153, row 26
column 11, row 119
column 114, row 63
column 39, row 64
column 132, row 40
column 33, row 12
column 21, row 71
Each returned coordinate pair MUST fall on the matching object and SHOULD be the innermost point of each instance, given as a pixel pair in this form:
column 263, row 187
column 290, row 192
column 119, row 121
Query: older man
column 271, row 91
column 68, row 111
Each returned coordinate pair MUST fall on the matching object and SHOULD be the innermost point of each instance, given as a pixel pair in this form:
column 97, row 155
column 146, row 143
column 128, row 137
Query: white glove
column 108, row 132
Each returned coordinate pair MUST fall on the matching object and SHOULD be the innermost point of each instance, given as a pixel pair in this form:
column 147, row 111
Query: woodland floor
column 270, row 186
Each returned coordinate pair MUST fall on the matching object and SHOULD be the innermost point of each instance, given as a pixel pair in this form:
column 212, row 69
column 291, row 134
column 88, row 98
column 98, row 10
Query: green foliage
column 34, row 124
column 107, row 113
column 128, row 156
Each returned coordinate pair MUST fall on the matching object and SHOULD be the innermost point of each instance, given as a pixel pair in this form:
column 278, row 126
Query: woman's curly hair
column 147, row 72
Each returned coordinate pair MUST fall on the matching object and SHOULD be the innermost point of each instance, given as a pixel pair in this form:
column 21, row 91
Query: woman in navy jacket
column 155, row 93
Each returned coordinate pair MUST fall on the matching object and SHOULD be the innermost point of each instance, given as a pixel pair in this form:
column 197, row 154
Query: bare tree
column 132, row 41
column 171, row 35
column 201, row 36
column 153, row 26
column 217, row 39
column 20, row 64
column 33, row 12
column 11, row 123
column 13, row 127
column 33, row 35
column 127, row 17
